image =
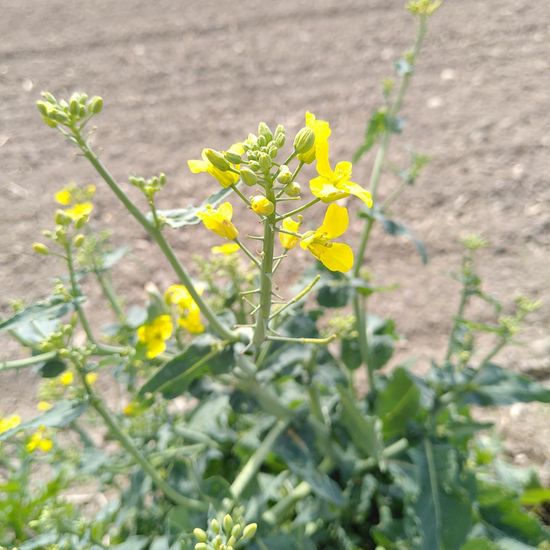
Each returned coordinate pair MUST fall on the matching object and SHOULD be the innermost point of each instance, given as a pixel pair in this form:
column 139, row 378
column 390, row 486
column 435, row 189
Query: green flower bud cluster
column 79, row 109
column 226, row 536
column 150, row 186
column 263, row 149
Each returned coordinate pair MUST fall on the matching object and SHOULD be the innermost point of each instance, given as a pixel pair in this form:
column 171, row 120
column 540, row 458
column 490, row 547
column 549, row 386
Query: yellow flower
column 79, row 210
column 321, row 129
column 225, row 178
column 91, row 378
column 67, row 378
column 290, row 241
column 262, row 205
column 64, row 196
column 218, row 220
column 155, row 334
column 332, row 185
column 188, row 310
column 39, row 441
column 44, row 406
column 334, row 256
column 9, row 423
column 131, row 409
column 225, row 249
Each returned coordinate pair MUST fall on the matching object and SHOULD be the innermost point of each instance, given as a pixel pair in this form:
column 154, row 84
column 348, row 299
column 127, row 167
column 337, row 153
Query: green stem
column 136, row 454
column 240, row 194
column 255, row 462
column 75, row 293
column 27, row 361
column 298, row 210
column 296, row 298
column 248, row 253
column 218, row 327
column 456, row 323
column 321, row 341
column 501, row 344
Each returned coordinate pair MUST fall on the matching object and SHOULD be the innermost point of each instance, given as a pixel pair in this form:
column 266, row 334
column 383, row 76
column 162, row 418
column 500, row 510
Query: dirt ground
column 177, row 76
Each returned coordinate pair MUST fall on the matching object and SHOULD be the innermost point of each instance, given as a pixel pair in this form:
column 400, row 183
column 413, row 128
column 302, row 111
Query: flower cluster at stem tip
column 254, row 164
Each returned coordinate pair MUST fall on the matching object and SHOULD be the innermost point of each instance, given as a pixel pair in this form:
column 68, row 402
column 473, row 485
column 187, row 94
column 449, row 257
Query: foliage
column 221, row 415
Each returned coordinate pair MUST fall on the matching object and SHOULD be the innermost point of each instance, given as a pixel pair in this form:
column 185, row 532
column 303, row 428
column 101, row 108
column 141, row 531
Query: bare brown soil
column 177, row 76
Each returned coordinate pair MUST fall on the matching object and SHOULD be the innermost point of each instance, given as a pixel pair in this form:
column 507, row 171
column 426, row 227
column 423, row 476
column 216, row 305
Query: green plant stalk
column 129, row 446
column 359, row 306
column 299, row 209
column 266, row 276
column 255, row 462
column 456, row 323
column 218, row 327
column 304, row 292
column 28, row 361
column 75, row 293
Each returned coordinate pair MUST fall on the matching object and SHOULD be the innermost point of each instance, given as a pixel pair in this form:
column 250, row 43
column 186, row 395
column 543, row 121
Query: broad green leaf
column 494, row 385
column 378, row 124
column 365, row 431
column 52, row 308
column 536, row 496
column 188, row 216
column 59, row 416
column 334, row 294
column 202, row 356
column 442, row 506
column 396, row 229
column 481, row 543
column 397, row 403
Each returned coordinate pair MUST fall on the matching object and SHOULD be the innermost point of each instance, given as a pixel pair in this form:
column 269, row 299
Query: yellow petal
column 323, row 189
column 290, row 241
column 338, row 257
column 197, row 166
column 79, row 210
column 66, row 379
column 63, row 196
column 336, row 221
column 163, row 324
column 237, row 148
column 358, row 191
column 44, row 406
column 225, row 249
column 155, row 347
column 342, row 171
column 226, row 210
column 45, row 445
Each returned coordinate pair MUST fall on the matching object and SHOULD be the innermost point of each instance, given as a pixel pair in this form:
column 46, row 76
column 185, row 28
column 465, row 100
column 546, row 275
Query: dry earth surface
column 177, row 76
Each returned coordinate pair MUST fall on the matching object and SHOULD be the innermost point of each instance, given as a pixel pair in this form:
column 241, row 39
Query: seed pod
column 248, row 176
column 217, row 159
column 304, row 140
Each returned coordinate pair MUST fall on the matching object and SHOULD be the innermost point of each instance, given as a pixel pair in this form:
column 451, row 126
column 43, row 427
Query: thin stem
column 248, row 253
column 296, row 298
column 321, row 341
column 298, row 210
column 501, row 344
column 75, row 293
column 255, row 462
column 240, row 194
column 27, row 361
column 456, row 323
column 220, row 328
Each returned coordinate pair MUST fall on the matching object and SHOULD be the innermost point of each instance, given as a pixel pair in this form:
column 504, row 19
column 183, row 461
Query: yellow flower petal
column 338, row 257
column 67, row 378
column 79, row 210
column 63, row 196
column 44, row 406
column 197, row 166
column 336, row 221
column 219, row 220
column 91, row 377
column 290, row 241
column 358, row 191
column 323, row 189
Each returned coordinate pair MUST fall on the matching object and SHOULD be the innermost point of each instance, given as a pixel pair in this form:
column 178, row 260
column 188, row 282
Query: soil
column 177, row 76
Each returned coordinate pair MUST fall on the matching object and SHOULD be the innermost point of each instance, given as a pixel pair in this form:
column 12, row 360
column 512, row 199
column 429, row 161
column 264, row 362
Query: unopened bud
column 293, row 189
column 262, row 142
column 273, row 150
column 264, row 130
column 81, row 222
column 284, row 175
column 248, row 176
column 200, row 535
column 217, row 159
column 232, row 157
column 304, row 140
column 61, row 218
column 96, row 104
column 236, row 531
column 249, row 531
column 265, row 162
column 201, row 546
column 262, row 205
column 215, row 525
column 79, row 240
column 74, row 106
column 40, row 248
column 227, row 523
column 47, row 96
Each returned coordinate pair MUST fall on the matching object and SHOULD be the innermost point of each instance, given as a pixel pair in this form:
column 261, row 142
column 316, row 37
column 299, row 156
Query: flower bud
column 79, row 240
column 254, row 165
column 217, row 159
column 81, row 222
column 61, row 218
column 236, row 531
column 264, row 130
column 264, row 162
column 43, row 108
column 74, row 106
column 273, row 150
column 215, row 525
column 262, row 205
column 200, row 535
column 40, row 248
column 227, row 524
column 248, row 176
column 284, row 175
column 201, row 546
column 96, row 105
column 47, row 96
column 304, row 140
column 293, row 189
column 232, row 157
column 249, row 531
column 262, row 142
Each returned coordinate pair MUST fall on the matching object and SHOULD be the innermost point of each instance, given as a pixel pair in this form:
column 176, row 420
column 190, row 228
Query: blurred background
column 178, row 76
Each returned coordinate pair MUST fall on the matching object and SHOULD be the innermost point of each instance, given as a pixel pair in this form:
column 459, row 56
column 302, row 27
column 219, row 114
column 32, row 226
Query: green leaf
column 202, row 356
column 365, row 431
column 52, row 368
column 442, row 506
column 493, row 385
column 52, row 308
column 334, row 294
column 481, row 543
column 534, row 497
column 59, row 416
column 396, row 229
column 379, row 123
column 397, row 403
column 188, row 216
